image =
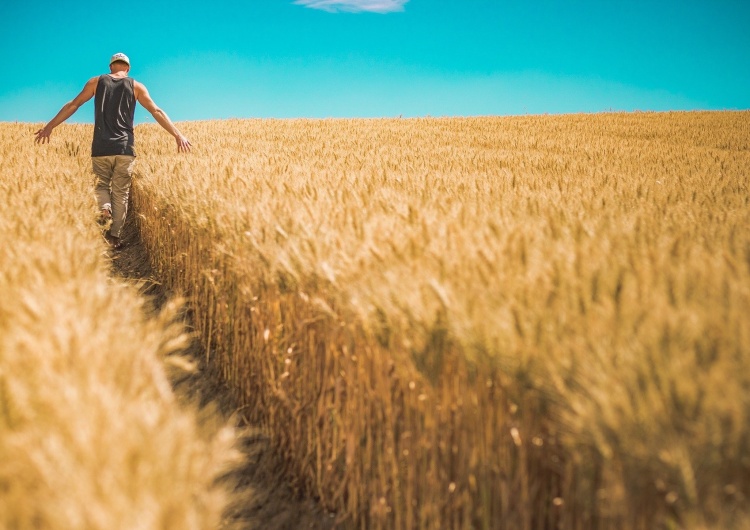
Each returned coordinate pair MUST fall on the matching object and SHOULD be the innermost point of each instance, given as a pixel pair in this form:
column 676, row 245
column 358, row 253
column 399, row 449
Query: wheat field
column 527, row 322
column 504, row 322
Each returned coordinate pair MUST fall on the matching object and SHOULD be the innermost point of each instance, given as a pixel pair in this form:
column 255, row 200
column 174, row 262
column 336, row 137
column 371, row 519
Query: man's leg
column 121, row 178
column 103, row 167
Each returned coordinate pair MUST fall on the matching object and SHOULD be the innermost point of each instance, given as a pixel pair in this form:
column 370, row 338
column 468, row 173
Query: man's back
column 113, row 116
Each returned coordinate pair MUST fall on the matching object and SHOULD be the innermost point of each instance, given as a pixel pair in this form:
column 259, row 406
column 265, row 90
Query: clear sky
column 370, row 58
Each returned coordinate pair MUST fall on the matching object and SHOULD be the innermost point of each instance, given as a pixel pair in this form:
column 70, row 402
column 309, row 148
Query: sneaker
column 105, row 216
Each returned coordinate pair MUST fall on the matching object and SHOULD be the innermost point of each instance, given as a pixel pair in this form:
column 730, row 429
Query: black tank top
column 113, row 117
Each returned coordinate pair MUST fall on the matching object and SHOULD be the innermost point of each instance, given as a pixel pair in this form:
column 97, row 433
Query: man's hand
column 42, row 135
column 183, row 144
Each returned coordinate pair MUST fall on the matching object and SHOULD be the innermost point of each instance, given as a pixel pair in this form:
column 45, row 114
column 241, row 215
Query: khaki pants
column 113, row 177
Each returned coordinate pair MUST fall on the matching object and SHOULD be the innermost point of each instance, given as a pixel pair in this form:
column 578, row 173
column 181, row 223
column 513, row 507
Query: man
column 113, row 146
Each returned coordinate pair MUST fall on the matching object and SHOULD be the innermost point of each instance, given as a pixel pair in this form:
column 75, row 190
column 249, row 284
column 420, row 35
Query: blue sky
column 372, row 58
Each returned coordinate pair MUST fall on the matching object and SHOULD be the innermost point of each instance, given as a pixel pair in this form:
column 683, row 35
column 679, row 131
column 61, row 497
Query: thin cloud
column 355, row 6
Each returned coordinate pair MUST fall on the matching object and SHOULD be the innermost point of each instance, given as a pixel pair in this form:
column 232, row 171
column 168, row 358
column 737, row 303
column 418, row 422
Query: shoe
column 115, row 243
column 105, row 216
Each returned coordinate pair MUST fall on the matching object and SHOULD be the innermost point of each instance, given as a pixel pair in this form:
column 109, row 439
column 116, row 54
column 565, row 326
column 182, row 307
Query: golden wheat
column 523, row 322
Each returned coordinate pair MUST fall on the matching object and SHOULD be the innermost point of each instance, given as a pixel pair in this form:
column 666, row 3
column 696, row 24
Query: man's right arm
column 143, row 97
column 67, row 110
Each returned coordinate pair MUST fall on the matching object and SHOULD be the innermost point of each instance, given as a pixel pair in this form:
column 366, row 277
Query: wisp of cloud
column 355, row 6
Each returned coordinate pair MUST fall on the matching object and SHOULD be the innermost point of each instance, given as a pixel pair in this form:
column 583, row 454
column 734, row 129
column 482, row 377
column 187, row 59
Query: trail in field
column 266, row 499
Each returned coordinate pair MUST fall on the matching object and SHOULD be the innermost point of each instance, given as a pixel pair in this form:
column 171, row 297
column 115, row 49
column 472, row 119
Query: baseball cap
column 120, row 57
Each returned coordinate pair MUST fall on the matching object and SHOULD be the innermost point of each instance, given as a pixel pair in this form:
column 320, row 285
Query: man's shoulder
column 91, row 84
column 139, row 87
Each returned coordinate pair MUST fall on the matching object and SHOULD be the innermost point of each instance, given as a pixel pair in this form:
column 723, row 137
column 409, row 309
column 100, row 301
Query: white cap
column 120, row 57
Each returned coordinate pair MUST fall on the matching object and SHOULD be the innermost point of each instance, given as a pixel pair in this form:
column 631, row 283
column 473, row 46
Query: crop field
column 535, row 322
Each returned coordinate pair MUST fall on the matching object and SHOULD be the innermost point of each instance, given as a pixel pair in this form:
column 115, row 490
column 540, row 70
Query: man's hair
column 120, row 62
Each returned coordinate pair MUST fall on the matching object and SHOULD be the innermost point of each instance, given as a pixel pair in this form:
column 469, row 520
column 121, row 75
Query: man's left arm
column 67, row 110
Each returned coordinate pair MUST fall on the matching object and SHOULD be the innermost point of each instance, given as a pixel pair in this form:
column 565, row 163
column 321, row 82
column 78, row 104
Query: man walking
column 113, row 147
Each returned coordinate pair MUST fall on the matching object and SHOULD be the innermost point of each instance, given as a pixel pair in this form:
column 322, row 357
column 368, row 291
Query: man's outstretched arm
column 143, row 97
column 67, row 110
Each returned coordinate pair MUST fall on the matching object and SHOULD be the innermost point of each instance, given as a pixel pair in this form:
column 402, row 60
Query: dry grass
column 91, row 434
